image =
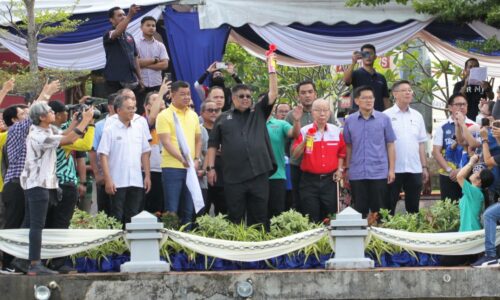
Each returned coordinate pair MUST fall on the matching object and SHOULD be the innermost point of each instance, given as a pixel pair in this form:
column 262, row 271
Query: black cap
column 57, row 106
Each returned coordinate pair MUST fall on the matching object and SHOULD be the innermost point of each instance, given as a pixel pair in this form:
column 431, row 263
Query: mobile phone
column 365, row 54
column 51, row 78
column 168, row 76
column 485, row 122
column 220, row 65
column 496, row 124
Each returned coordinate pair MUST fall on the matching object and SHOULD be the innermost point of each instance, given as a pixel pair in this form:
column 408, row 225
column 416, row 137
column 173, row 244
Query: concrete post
column 144, row 238
column 349, row 232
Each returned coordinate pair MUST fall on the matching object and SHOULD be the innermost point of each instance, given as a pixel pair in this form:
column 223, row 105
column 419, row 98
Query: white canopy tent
column 213, row 13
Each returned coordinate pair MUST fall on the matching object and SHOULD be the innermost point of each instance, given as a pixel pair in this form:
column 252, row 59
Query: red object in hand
column 311, row 131
column 272, row 49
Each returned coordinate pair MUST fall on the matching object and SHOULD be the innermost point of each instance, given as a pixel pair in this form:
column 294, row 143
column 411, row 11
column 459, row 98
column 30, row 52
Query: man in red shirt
column 323, row 149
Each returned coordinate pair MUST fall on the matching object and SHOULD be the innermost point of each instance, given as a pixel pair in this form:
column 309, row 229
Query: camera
column 100, row 107
column 365, row 54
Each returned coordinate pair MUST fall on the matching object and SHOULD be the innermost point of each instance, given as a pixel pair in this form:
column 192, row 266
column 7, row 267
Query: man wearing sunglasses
column 246, row 152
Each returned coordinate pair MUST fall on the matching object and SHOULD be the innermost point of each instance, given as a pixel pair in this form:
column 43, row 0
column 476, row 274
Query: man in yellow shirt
column 174, row 164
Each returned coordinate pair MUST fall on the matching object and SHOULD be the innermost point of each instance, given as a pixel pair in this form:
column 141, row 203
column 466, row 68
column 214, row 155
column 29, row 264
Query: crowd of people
column 253, row 159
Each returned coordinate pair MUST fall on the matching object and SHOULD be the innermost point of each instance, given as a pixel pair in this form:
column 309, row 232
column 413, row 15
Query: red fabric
column 328, row 147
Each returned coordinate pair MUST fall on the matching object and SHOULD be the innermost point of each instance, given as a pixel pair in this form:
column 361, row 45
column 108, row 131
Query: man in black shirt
column 122, row 62
column 473, row 93
column 366, row 75
column 246, row 152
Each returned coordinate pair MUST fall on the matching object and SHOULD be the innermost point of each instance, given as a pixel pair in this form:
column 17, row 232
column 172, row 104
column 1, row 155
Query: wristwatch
column 449, row 169
column 210, row 168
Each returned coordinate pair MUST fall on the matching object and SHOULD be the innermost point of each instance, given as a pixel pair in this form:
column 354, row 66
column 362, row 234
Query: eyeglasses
column 131, row 108
column 243, row 96
column 212, row 110
column 282, row 112
column 462, row 104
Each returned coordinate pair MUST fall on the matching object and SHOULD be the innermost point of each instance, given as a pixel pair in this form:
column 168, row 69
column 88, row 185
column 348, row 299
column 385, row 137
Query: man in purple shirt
column 371, row 154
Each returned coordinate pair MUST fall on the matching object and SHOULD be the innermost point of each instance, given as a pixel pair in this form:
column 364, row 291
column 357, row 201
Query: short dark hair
column 239, row 87
column 471, row 59
column 179, row 84
column 358, row 90
column 491, row 104
column 147, row 18
column 398, row 83
column 119, row 101
column 215, row 87
column 451, row 100
column 9, row 114
column 486, row 177
column 305, row 82
column 111, row 11
column 368, row 46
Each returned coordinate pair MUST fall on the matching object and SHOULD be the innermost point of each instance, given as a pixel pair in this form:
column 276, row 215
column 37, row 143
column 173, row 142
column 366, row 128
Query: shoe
column 486, row 262
column 66, row 270
column 40, row 269
column 20, row 265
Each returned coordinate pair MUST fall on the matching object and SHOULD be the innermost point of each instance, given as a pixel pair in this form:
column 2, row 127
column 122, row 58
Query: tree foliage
column 37, row 25
column 253, row 71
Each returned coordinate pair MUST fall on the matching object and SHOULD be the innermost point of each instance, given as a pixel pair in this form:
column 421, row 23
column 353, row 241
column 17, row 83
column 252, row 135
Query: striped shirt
column 65, row 165
column 16, row 149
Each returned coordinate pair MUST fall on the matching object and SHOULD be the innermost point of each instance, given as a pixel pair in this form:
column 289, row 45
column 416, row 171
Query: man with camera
column 367, row 75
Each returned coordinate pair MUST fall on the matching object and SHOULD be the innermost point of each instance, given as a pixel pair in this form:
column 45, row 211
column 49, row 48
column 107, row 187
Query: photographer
column 59, row 214
column 38, row 178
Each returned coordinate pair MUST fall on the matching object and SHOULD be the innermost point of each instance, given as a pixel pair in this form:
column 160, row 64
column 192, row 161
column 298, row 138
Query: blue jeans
column 491, row 216
column 176, row 194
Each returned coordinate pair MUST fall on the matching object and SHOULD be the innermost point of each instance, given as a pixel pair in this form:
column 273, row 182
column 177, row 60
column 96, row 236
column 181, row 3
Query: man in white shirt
column 123, row 149
column 411, row 162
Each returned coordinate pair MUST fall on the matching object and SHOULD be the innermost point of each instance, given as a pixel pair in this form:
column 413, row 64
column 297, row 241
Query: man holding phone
column 122, row 65
column 366, row 75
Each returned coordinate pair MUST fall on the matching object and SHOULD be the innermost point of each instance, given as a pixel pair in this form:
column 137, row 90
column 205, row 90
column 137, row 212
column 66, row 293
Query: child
column 472, row 200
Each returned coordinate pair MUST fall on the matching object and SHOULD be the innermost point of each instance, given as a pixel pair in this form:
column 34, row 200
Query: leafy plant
column 84, row 220
column 169, row 219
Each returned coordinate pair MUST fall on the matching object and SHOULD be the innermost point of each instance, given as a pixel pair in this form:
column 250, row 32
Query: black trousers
column 126, row 203
column 14, row 206
column 249, row 197
column 103, row 199
column 295, row 173
column 37, row 204
column 277, row 197
column 59, row 216
column 153, row 201
column 368, row 194
column 411, row 184
column 449, row 189
column 318, row 196
column 216, row 196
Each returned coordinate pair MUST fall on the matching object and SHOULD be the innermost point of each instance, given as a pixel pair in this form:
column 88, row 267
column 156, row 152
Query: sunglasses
column 213, row 110
column 243, row 96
